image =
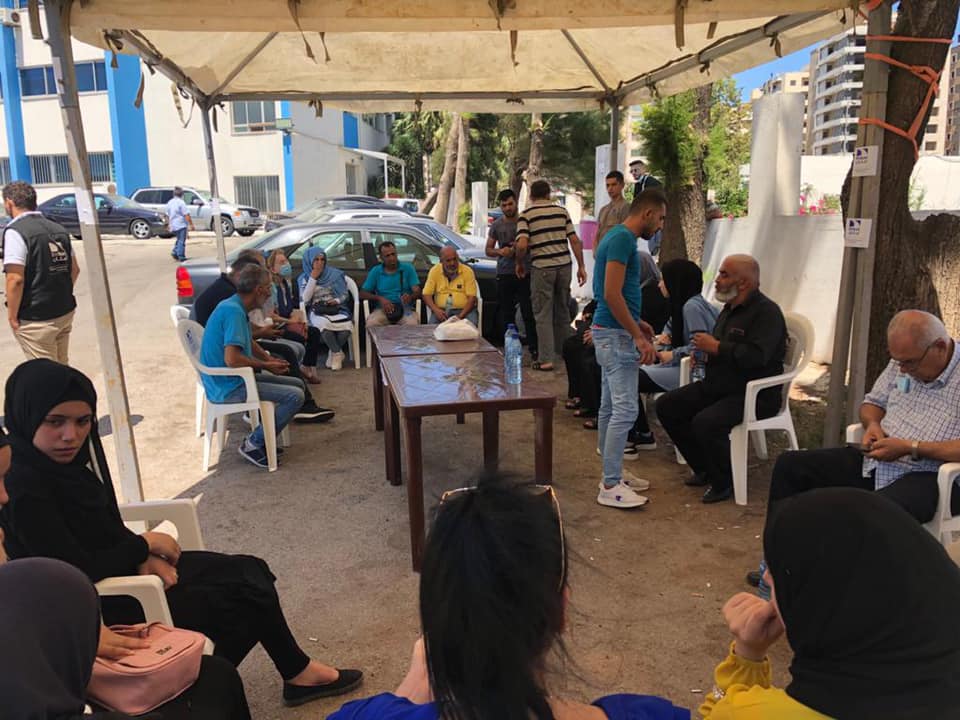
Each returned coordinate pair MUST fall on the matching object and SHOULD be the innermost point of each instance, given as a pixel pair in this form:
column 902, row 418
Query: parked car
column 340, row 211
column 243, row 219
column 350, row 246
column 118, row 215
column 409, row 204
column 326, row 201
column 467, row 250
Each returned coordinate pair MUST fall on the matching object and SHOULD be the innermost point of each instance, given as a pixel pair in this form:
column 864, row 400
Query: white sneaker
column 326, row 363
column 620, row 496
column 631, row 481
column 336, row 362
column 629, row 453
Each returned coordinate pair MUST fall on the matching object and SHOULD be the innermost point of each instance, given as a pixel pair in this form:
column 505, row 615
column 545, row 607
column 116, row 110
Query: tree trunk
column 535, row 163
column 918, row 263
column 429, row 202
column 442, row 208
column 686, row 226
column 463, row 154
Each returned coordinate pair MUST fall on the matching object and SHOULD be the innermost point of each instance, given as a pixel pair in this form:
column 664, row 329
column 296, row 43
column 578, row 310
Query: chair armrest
column 755, row 386
column 946, row 476
column 245, row 373
column 145, row 589
column 854, row 433
column 182, row 512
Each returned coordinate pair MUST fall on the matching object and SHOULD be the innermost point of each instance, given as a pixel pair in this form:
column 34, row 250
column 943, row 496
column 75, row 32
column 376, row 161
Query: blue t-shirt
column 227, row 325
column 392, row 285
column 618, row 244
column 616, row 707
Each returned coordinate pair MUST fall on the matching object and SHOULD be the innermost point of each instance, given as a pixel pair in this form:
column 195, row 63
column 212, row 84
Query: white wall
column 319, row 161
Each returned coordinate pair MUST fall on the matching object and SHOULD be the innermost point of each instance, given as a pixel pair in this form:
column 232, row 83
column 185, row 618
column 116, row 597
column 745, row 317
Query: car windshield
column 442, row 233
column 121, row 201
column 205, row 194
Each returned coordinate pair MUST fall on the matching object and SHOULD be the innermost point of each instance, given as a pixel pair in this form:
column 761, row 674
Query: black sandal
column 537, row 365
column 572, row 404
column 590, row 424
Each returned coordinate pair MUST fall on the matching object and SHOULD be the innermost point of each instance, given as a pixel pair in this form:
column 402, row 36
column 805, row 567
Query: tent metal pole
column 856, row 276
column 614, row 132
column 214, row 186
column 61, row 51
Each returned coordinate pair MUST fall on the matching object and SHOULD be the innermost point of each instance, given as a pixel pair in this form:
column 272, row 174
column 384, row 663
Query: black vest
column 47, row 281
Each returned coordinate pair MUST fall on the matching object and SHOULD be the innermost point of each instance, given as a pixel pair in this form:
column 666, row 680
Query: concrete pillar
column 128, row 128
column 775, row 151
column 10, row 86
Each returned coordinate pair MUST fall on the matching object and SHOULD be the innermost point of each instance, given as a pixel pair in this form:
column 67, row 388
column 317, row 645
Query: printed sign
column 857, row 232
column 865, row 161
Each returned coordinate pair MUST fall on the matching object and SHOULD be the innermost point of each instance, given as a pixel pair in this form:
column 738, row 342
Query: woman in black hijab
column 869, row 602
column 62, row 505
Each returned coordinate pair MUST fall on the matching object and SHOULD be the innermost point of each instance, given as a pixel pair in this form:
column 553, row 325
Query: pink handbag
column 150, row 677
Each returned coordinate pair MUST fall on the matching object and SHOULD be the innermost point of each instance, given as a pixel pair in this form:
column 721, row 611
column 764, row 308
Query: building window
column 55, row 169
column 260, row 191
column 254, row 116
column 932, row 129
column 930, row 146
column 36, row 81
column 5, row 171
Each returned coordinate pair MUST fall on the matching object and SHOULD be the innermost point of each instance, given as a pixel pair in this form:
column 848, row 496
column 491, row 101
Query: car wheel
column 245, row 233
column 226, row 224
column 140, row 229
column 167, row 235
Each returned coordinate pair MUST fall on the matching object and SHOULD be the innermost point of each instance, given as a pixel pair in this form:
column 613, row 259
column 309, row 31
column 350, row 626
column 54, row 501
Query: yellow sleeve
column 431, row 285
column 469, row 281
column 736, row 676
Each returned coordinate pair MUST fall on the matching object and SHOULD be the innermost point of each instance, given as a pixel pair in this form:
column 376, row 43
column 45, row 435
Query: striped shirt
column 548, row 229
column 914, row 410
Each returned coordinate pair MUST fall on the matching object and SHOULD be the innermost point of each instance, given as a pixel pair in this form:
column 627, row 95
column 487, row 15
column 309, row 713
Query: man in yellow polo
column 451, row 289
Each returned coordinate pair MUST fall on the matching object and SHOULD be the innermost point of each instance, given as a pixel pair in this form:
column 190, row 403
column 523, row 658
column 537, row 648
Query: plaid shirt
column 928, row 412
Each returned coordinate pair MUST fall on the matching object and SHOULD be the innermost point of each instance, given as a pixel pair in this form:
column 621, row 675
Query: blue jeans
column 180, row 246
column 285, row 392
column 619, row 362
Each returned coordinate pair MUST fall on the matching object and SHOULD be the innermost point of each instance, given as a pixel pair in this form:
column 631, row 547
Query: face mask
column 903, row 383
column 286, row 270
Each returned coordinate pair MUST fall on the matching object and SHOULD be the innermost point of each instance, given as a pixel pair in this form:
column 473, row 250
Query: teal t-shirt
column 619, row 245
column 392, row 285
column 228, row 325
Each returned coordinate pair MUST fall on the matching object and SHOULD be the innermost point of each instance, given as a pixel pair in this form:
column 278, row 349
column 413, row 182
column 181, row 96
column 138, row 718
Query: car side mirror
column 197, row 201
column 106, row 207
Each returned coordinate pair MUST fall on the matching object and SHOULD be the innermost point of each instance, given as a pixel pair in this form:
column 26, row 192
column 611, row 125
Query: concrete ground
column 647, row 585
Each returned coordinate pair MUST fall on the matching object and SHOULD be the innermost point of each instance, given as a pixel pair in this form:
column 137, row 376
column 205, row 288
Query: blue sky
column 755, row 77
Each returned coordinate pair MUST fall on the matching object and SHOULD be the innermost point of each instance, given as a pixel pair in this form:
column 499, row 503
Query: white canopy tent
column 492, row 56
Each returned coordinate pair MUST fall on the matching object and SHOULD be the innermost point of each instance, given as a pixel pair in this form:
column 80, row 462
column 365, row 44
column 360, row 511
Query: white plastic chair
column 944, row 524
column 355, row 332
column 800, row 337
column 366, row 314
column 191, row 337
column 178, row 313
column 148, row 589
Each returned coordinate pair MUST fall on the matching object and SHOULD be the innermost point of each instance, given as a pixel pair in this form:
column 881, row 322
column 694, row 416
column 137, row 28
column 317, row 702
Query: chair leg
column 738, row 462
column 201, row 399
column 759, row 438
column 368, row 349
column 283, row 439
column 208, row 439
column 681, row 460
column 791, row 434
column 221, row 432
column 268, row 419
column 355, row 349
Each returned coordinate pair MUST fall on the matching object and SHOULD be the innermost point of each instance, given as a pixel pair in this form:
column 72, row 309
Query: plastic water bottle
column 512, row 355
column 699, row 370
column 448, row 307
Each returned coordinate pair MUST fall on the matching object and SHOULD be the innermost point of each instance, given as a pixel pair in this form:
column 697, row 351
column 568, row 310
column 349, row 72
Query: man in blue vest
column 41, row 271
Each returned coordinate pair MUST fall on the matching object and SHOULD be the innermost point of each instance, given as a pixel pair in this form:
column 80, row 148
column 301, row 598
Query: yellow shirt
column 462, row 286
column 742, row 691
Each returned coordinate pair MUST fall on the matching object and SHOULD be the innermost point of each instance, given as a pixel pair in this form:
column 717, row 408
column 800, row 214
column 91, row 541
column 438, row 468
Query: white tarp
column 468, row 55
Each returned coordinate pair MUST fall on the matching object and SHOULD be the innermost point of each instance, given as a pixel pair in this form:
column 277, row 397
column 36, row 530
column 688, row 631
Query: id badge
column 903, row 383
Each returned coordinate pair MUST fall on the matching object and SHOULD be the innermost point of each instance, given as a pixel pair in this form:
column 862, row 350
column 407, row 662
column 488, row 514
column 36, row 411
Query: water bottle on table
column 699, row 369
column 448, row 307
column 512, row 355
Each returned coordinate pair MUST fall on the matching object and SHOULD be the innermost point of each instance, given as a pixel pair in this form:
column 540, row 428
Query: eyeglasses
column 914, row 363
column 535, row 490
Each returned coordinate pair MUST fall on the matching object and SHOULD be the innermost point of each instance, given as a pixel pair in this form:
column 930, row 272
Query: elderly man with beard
column 748, row 343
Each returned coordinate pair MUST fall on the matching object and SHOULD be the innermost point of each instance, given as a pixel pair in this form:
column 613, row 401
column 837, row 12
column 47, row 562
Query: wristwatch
column 915, row 450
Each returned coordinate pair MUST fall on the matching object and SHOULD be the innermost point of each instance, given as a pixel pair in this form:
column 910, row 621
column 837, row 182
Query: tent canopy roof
column 465, row 55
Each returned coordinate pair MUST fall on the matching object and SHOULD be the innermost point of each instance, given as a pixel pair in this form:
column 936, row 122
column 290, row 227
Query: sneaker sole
column 322, row 418
column 645, row 446
column 635, row 488
column 622, row 506
column 252, row 460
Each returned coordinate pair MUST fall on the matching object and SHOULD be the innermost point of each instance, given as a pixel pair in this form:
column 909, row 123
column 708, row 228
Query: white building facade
column 161, row 142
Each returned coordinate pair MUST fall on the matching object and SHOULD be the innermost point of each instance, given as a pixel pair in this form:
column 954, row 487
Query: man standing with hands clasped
column 623, row 342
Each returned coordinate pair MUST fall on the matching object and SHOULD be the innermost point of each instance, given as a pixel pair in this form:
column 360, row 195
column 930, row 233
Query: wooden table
column 422, row 385
column 395, row 340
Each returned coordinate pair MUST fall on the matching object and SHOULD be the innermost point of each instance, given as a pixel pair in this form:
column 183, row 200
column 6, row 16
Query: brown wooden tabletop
column 423, row 385
column 394, row 340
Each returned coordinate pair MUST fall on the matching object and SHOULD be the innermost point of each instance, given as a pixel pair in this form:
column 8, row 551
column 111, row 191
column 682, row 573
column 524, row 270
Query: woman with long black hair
column 493, row 605
column 62, row 505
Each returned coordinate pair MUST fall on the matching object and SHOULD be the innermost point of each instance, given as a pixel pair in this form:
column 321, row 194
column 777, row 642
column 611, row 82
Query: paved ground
column 647, row 585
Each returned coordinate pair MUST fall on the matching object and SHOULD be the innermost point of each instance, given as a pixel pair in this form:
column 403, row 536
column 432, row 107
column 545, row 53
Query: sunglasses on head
column 534, row 490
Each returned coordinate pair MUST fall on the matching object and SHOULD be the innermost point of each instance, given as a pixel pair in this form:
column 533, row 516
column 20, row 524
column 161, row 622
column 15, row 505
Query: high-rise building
column 833, row 100
column 953, row 101
column 789, row 82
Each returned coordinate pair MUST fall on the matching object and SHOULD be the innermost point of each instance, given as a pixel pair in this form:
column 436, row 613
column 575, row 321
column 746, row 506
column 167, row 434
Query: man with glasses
column 911, row 421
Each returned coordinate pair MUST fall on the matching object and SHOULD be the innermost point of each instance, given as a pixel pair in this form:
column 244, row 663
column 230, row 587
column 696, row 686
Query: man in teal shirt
column 393, row 287
column 623, row 342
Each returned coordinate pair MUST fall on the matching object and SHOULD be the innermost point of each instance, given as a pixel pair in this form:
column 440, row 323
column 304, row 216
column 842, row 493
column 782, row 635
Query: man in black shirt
column 748, row 342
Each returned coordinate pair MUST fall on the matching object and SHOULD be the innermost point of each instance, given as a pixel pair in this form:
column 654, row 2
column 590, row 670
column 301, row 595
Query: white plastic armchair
column 799, row 346
column 191, row 337
column 178, row 313
column 366, row 314
column 355, row 332
column 148, row 589
column 943, row 524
